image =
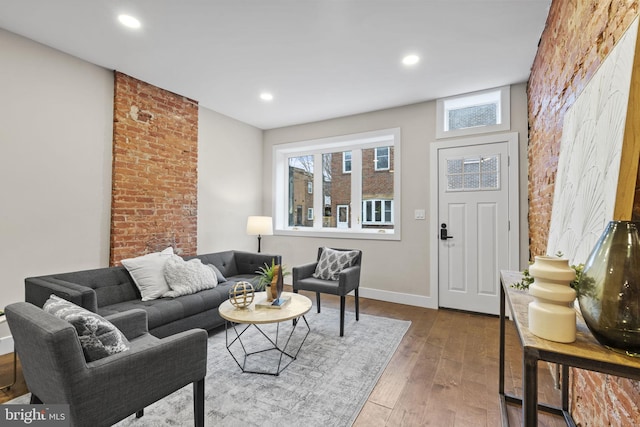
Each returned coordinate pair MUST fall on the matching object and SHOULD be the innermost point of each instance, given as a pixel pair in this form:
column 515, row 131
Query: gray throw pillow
column 332, row 262
column 219, row 274
column 98, row 337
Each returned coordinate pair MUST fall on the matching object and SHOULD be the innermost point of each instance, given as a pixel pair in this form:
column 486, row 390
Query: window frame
column 501, row 94
column 388, row 156
column 383, row 210
column 354, row 143
column 344, row 162
column 309, row 187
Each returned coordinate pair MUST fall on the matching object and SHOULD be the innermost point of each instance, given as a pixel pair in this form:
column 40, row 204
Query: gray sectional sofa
column 112, row 290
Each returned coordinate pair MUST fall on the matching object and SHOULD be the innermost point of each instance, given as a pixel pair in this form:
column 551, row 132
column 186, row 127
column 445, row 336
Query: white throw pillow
column 147, row 272
column 187, row 277
column 332, row 262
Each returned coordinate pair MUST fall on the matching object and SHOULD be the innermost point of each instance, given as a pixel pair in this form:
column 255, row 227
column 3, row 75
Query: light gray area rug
column 327, row 385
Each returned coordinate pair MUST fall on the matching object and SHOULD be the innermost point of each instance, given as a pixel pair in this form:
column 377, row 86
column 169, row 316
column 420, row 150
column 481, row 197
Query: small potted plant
column 266, row 275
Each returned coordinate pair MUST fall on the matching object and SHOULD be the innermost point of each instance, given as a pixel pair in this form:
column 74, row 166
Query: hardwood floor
column 444, row 373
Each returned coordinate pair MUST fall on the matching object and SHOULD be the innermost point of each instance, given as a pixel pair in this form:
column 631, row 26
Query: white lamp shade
column 259, row 225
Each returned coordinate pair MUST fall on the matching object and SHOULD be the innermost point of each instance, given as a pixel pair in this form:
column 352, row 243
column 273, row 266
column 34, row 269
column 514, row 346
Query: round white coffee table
column 239, row 320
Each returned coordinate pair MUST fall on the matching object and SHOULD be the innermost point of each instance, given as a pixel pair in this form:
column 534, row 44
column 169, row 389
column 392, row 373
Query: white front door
column 343, row 216
column 473, row 224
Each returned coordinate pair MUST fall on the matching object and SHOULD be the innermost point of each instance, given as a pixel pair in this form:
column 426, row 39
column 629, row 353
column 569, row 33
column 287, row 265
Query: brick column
column 154, row 186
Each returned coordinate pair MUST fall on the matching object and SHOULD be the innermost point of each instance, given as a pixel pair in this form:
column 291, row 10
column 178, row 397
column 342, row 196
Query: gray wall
column 229, row 172
column 56, row 115
column 392, row 270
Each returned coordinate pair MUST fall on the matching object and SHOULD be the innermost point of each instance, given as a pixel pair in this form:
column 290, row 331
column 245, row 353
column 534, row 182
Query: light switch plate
column 419, row 214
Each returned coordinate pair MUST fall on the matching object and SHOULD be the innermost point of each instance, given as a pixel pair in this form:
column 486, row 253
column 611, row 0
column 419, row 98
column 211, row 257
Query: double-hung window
column 382, row 158
column 346, row 162
column 357, row 178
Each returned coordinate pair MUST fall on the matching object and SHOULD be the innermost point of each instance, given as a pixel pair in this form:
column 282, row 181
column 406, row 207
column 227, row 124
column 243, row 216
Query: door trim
column 511, row 139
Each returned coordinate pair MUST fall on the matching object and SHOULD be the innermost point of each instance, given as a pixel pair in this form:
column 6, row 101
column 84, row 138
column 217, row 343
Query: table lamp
column 260, row 226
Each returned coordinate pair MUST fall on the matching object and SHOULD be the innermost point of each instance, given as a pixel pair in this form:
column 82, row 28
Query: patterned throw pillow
column 187, row 277
column 332, row 262
column 98, row 337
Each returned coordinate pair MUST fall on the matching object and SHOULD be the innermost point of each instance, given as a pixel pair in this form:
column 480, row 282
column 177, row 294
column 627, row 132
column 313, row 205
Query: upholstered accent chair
column 345, row 278
column 105, row 391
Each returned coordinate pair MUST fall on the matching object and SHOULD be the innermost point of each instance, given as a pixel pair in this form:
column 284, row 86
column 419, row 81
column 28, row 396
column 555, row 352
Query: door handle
column 443, row 232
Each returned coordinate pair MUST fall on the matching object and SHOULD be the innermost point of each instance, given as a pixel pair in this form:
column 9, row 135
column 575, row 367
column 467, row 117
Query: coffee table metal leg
column 274, row 343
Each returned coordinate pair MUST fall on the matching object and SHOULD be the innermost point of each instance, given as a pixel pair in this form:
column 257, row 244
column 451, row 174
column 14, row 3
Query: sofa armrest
column 178, row 358
column 136, row 378
column 37, row 291
column 132, row 323
column 250, row 262
column 349, row 279
column 303, row 271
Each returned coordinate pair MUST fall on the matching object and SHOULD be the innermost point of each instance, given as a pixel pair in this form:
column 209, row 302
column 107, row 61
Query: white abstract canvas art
column 589, row 163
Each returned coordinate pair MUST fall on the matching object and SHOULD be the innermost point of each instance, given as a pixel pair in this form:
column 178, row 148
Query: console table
column 584, row 353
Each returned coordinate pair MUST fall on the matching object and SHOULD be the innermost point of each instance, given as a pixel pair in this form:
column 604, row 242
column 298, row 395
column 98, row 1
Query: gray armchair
column 105, row 391
column 348, row 280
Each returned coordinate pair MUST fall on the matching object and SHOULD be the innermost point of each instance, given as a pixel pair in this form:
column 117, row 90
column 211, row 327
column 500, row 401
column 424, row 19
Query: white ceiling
column 320, row 58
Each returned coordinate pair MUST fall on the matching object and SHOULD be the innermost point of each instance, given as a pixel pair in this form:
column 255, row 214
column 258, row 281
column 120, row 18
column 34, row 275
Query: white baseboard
column 6, row 345
column 399, row 298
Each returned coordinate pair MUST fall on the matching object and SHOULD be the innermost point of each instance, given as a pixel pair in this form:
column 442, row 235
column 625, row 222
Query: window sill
column 380, row 234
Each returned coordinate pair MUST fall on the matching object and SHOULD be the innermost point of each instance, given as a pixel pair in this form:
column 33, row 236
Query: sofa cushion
column 98, row 337
column 147, row 272
column 166, row 310
column 332, row 262
column 187, row 277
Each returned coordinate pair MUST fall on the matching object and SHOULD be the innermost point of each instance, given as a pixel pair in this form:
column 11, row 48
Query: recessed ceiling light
column 411, row 60
column 266, row 96
column 129, row 21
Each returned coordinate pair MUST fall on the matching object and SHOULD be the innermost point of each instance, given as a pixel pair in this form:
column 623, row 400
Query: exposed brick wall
column 578, row 36
column 340, row 190
column 154, row 185
column 376, row 184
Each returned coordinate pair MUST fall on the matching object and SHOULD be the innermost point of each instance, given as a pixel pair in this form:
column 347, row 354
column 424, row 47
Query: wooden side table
column 15, row 363
column 584, row 353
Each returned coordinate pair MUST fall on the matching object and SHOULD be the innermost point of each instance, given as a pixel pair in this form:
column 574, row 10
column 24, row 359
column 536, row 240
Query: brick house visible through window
column 358, row 190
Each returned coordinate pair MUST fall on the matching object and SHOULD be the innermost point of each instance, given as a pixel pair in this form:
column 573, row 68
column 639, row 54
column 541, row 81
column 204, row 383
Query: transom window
column 359, row 180
column 472, row 113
